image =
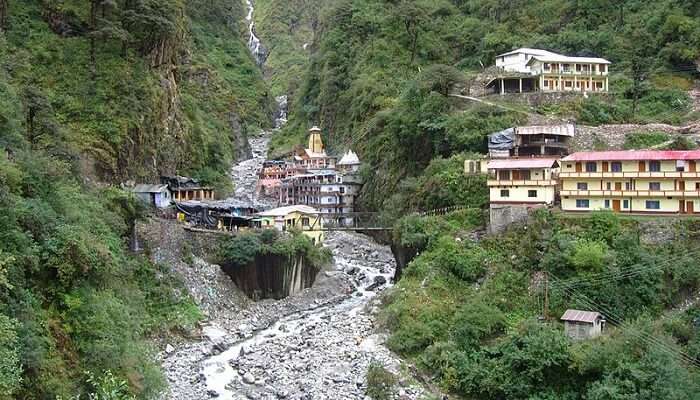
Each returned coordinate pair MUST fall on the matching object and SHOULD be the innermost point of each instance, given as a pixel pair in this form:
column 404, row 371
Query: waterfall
column 282, row 111
column 254, row 44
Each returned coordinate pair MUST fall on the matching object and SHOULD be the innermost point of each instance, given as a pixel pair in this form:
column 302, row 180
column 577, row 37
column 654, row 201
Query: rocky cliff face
column 273, row 276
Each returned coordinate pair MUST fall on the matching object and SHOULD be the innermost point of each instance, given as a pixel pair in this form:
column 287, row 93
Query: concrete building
column 349, row 163
column 534, row 140
column 304, row 218
column 271, row 177
column 635, row 181
column 314, row 156
column 185, row 188
column 317, row 180
column 476, row 166
column 543, row 140
column 582, row 325
column 534, row 70
column 522, row 181
column 158, row 196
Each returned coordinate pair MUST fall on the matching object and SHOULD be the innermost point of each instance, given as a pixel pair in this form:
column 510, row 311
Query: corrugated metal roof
column 558, row 58
column 282, row 211
column 527, row 50
column 633, row 155
column 522, row 163
column 581, row 316
column 146, row 188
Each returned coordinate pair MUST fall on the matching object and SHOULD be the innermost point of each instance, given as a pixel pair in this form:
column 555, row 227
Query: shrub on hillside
column 380, row 382
column 475, row 321
column 645, row 140
column 589, row 255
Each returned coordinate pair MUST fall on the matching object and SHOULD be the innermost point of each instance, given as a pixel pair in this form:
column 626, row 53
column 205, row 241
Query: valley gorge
column 270, row 349
column 137, row 262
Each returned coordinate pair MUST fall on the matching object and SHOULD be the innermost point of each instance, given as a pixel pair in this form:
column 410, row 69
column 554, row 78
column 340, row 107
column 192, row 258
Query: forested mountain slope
column 136, row 88
column 287, row 27
column 93, row 93
column 380, row 72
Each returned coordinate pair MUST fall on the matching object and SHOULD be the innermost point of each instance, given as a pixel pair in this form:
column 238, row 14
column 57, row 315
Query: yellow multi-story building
column 635, row 181
column 304, row 218
column 522, row 181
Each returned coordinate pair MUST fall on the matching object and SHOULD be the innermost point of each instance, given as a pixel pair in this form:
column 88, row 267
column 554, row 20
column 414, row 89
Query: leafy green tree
column 108, row 387
column 10, row 367
column 412, row 15
column 589, row 256
column 476, row 321
column 639, row 51
column 441, row 78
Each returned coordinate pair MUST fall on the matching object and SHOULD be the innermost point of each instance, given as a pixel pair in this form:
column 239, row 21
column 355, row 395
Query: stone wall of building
column 502, row 216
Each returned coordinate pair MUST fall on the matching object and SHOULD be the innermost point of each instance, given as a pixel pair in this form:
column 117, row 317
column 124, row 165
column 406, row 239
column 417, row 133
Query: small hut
column 582, row 325
column 158, row 196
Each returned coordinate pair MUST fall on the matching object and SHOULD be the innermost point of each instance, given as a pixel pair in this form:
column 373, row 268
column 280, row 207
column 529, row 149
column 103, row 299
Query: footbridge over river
column 371, row 221
column 352, row 221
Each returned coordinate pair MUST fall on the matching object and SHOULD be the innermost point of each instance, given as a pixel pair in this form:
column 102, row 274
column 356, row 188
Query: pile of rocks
column 327, row 358
column 245, row 174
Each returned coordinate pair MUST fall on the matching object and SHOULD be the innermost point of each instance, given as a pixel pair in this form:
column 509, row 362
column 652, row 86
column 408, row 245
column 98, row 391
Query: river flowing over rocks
column 314, row 345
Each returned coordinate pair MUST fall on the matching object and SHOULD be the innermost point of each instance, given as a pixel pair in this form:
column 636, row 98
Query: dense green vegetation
column 106, row 91
column 69, row 291
column 380, row 70
column 467, row 311
column 241, row 250
column 134, row 88
column 285, row 27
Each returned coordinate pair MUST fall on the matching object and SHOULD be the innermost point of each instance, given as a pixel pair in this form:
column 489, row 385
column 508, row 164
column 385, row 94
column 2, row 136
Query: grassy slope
column 465, row 312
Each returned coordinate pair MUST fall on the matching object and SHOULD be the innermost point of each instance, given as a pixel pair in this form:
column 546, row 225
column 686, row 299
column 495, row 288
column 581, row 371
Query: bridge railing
column 353, row 221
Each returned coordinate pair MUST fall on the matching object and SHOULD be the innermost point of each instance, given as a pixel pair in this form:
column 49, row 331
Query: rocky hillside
column 288, row 27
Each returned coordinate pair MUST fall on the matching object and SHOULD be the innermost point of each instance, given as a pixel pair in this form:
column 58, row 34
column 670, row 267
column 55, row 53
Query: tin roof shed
column 581, row 316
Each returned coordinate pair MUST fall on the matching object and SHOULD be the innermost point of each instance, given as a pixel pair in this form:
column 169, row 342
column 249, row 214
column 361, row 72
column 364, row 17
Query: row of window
column 517, row 174
column 618, row 186
column 616, row 166
column 654, row 186
column 579, row 67
column 530, row 193
column 649, row 204
column 570, row 84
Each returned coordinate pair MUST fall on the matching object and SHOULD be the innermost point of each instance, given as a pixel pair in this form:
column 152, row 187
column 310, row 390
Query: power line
column 621, row 274
column 618, row 321
column 647, row 338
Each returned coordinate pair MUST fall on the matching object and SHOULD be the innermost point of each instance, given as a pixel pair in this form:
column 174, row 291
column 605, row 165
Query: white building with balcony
column 535, row 70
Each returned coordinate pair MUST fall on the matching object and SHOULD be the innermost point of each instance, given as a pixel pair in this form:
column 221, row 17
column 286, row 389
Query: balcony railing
column 509, row 182
column 630, row 174
column 631, row 193
column 572, row 73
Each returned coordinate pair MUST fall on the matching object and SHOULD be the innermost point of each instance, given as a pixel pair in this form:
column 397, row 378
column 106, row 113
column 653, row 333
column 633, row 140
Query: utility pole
column 545, row 311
